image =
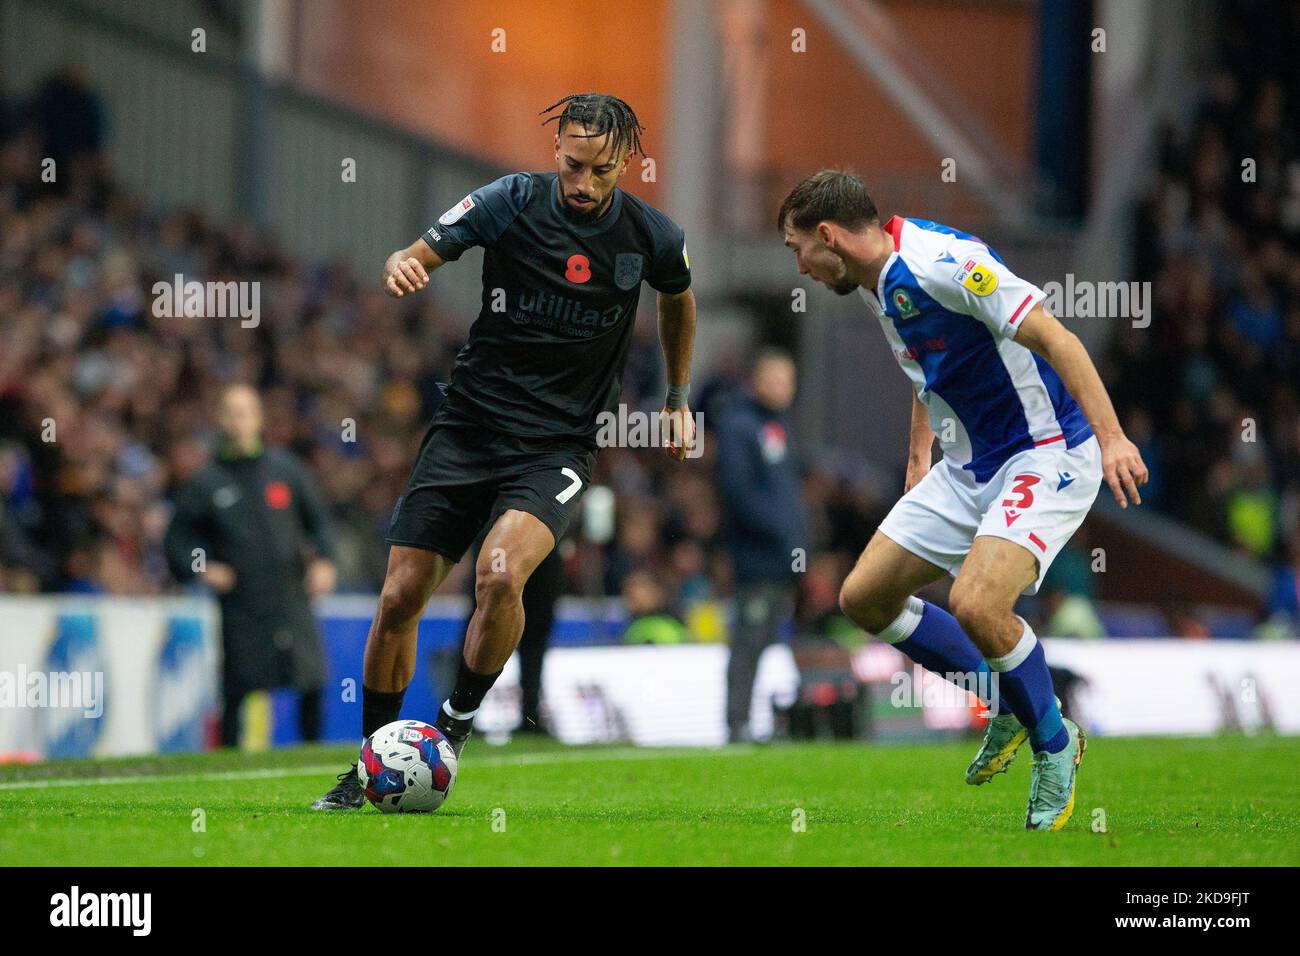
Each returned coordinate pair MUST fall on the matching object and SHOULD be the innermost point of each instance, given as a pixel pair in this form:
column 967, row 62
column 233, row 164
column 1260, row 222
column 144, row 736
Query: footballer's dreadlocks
column 600, row 113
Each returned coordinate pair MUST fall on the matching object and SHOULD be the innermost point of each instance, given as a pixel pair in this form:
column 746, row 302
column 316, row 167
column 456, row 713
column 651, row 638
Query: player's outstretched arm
column 407, row 270
column 920, row 446
column 677, row 338
column 1121, row 463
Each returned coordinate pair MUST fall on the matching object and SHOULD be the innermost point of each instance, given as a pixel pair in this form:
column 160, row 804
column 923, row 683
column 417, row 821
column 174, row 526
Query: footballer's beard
column 843, row 285
column 587, row 213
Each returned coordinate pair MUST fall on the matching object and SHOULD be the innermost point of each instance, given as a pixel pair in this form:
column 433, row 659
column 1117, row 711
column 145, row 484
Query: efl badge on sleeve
column 977, row 277
column 456, row 211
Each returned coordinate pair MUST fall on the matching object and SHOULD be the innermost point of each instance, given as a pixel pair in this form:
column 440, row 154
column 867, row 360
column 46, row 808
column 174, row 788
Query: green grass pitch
column 1221, row 801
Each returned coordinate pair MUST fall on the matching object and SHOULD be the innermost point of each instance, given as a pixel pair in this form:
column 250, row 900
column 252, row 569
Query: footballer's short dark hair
column 829, row 195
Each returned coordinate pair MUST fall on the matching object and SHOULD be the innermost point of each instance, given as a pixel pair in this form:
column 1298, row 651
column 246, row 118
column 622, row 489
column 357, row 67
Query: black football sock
column 378, row 708
column 470, row 690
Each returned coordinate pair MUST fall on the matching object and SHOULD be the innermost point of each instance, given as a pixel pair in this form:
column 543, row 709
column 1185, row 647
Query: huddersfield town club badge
column 627, row 269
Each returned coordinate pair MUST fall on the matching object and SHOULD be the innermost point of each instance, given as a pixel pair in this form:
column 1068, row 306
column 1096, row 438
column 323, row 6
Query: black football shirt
column 545, row 356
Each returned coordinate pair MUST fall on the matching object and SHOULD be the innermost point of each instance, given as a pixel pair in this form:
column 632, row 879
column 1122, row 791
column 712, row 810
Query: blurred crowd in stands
column 1210, row 392
column 105, row 408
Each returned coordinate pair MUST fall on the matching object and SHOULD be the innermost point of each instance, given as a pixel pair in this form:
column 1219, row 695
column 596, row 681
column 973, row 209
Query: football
column 407, row 767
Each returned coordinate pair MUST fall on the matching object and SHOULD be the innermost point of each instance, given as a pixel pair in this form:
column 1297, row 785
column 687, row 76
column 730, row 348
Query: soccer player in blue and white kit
column 1028, row 434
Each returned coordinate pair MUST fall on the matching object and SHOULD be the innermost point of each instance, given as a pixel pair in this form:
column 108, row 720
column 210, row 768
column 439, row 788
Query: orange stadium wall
column 826, row 111
column 431, row 68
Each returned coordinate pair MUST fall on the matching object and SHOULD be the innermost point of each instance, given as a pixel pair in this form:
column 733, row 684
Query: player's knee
column 974, row 611
column 863, row 606
column 399, row 604
column 498, row 587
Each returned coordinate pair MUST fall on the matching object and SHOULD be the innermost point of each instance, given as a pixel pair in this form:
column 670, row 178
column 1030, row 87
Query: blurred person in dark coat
column 69, row 116
column 764, row 521
column 267, row 546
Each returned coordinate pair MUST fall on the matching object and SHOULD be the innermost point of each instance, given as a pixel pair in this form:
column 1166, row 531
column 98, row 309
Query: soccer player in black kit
column 514, row 442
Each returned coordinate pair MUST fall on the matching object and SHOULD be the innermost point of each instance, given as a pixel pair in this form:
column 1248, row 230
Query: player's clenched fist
column 404, row 275
column 677, row 426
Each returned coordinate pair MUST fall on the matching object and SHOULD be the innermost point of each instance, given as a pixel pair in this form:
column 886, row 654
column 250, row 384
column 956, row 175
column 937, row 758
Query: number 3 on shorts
column 1022, row 486
column 564, row 496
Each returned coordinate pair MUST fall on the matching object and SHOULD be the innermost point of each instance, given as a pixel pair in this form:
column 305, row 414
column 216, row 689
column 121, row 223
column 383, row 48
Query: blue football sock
column 1025, row 685
column 932, row 637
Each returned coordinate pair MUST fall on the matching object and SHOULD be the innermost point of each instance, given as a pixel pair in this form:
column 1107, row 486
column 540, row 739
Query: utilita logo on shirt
column 570, row 316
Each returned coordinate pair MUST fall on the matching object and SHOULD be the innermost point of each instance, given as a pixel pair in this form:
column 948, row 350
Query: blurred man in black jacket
column 253, row 526
column 764, row 521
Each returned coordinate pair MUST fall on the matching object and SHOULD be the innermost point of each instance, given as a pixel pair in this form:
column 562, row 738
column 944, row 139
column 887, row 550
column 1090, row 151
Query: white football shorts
column 1037, row 499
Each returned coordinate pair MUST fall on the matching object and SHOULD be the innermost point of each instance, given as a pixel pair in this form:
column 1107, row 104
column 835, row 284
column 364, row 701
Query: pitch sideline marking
column 270, row 773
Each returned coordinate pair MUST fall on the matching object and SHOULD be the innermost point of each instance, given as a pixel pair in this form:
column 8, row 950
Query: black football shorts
column 466, row 475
